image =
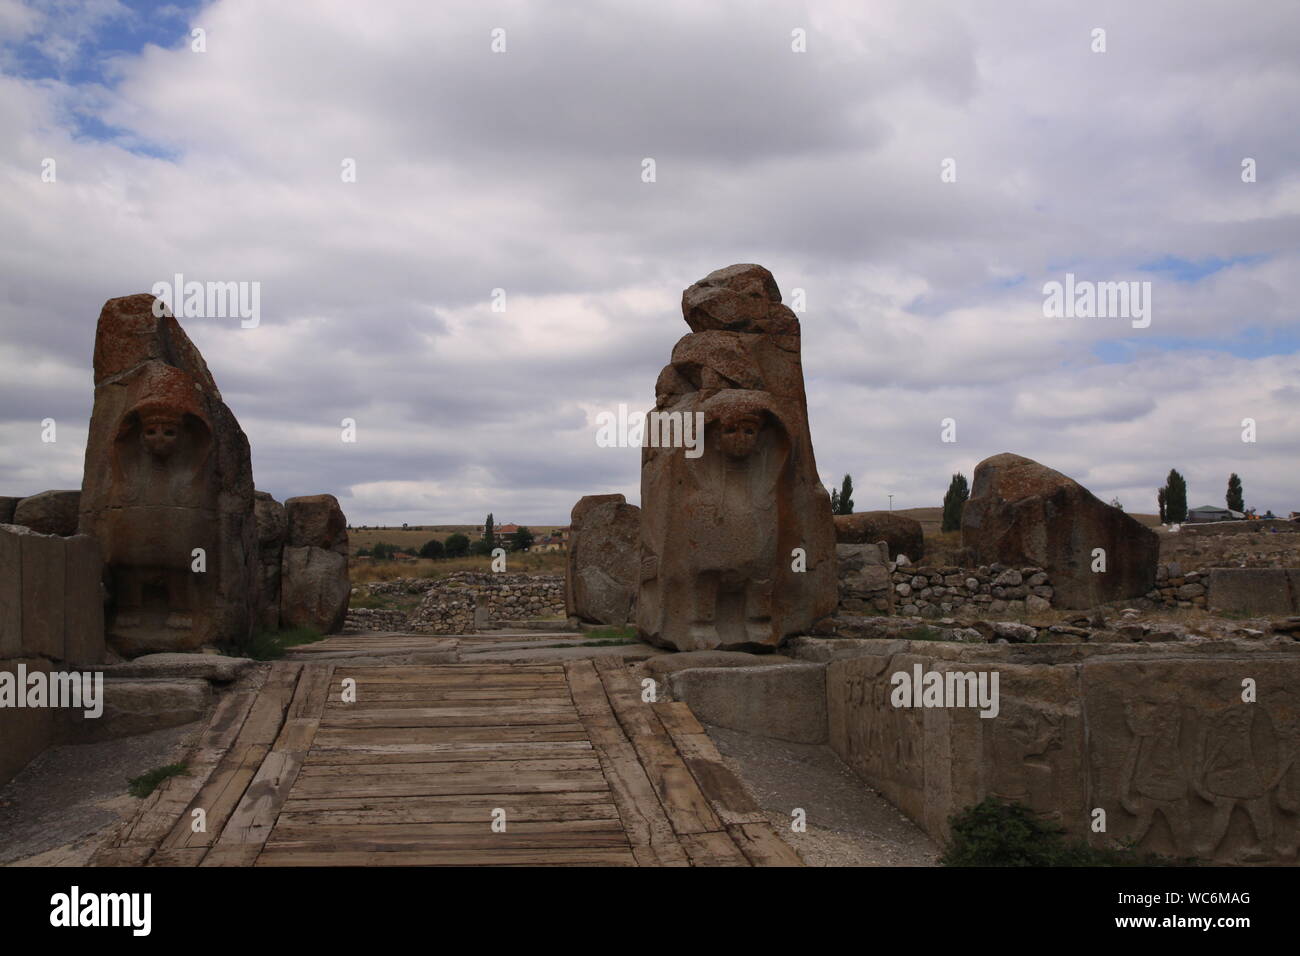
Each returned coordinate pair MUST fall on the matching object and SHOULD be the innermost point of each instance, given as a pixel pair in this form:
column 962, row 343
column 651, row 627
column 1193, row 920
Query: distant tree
column 382, row 551
column 456, row 545
column 432, row 549
column 846, row 497
column 1114, row 503
column 1236, row 500
column 480, row 547
column 954, row 500
column 523, row 539
column 1175, row 497
column 835, row 501
column 489, row 533
column 1161, row 494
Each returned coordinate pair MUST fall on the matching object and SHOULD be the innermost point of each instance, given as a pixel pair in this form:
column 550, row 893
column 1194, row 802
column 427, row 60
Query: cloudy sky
column 522, row 170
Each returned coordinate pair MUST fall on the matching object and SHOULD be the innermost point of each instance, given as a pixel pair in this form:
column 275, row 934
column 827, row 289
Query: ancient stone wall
column 864, row 578
column 933, row 592
column 497, row 597
column 51, row 617
column 51, row 597
column 1158, row 737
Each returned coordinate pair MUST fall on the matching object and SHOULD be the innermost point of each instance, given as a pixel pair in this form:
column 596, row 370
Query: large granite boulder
column 901, row 533
column 1023, row 513
column 316, row 521
column 272, row 530
column 50, row 512
column 168, row 489
column 314, row 582
column 720, row 529
column 601, row 570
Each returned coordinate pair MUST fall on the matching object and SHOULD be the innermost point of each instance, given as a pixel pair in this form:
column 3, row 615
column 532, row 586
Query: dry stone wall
column 934, row 592
column 461, row 602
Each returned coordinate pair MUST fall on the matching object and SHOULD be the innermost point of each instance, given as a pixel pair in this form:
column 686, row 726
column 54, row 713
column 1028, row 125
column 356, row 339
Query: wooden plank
column 253, row 818
column 643, row 818
column 389, row 837
column 364, row 753
column 401, row 811
column 255, row 815
column 712, row 849
column 160, row 810
column 763, row 846
column 232, row 854
column 677, row 718
column 553, row 765
column 122, row 856
column 457, row 783
column 326, row 855
column 189, row 856
column 268, row 711
column 726, row 794
column 376, row 695
column 687, row 808
column 434, row 802
column 443, row 717
column 219, row 797
column 313, row 688
column 227, row 720
column 330, row 735
column 637, row 718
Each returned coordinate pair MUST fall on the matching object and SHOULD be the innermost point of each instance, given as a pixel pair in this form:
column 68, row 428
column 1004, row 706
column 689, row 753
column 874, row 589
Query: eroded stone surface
column 1023, row 513
column 719, row 531
column 314, row 589
column 272, row 530
column 167, row 474
column 603, row 560
column 1157, row 736
column 901, row 533
column 50, row 512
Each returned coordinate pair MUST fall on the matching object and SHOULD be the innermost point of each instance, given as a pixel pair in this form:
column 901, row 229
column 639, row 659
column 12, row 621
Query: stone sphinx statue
column 737, row 544
column 168, row 490
column 163, row 506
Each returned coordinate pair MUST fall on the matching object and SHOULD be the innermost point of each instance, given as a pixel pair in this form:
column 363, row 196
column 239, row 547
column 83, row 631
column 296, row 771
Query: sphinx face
column 739, row 436
column 159, row 437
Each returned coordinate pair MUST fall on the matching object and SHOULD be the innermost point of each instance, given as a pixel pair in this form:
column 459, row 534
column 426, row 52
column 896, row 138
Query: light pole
column 891, row 502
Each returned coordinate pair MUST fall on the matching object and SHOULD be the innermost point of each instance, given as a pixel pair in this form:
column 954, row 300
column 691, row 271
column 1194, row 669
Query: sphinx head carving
column 159, row 432
column 740, row 430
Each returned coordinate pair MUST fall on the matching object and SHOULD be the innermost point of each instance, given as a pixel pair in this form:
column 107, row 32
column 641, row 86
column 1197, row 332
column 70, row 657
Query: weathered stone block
column 314, row 589
column 50, row 512
column 1180, row 764
column 902, row 534
column 44, row 595
column 786, row 702
column 603, row 561
column 1255, row 591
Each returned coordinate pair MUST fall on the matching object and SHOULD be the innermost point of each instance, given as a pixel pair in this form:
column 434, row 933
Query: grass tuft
column 146, row 783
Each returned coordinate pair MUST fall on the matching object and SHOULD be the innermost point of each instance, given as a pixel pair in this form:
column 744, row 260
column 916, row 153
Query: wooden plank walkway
column 510, row 764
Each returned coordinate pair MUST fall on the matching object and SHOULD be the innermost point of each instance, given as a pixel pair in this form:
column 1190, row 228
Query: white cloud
column 521, row 171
